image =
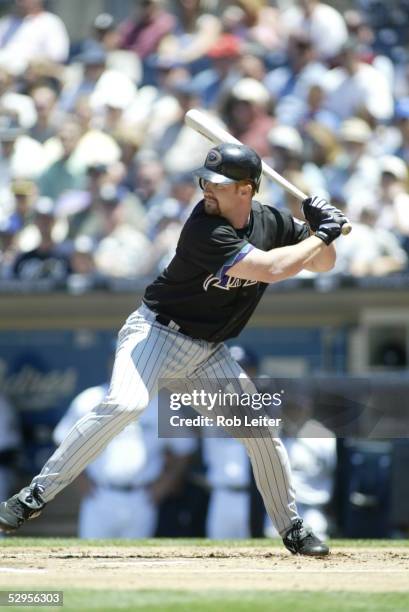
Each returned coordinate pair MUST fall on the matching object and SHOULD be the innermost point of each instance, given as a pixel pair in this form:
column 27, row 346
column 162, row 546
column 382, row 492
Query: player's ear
column 244, row 189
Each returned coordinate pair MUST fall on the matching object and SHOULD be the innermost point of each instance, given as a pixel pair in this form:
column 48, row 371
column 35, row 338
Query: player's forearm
column 324, row 261
column 280, row 263
column 289, row 261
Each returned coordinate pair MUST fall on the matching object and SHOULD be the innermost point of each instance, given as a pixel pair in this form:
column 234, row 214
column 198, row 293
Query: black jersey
column 195, row 291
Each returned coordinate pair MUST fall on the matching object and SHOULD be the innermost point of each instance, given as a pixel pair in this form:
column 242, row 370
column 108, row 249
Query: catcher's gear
column 231, row 163
column 21, row 507
column 301, row 540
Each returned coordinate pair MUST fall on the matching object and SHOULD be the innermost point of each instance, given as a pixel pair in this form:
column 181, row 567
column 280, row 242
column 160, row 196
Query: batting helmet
column 231, row 163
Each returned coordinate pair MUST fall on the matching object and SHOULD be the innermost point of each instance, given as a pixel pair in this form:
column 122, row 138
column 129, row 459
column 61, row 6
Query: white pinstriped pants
column 146, row 352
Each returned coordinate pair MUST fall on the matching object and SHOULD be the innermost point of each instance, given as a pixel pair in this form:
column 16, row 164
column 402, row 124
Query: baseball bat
column 204, row 125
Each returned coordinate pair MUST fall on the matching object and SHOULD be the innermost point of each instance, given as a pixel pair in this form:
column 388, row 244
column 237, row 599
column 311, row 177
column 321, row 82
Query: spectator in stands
column 195, row 33
column 370, row 250
column 401, row 148
column 325, row 25
column 8, row 246
column 311, row 450
column 213, row 83
column 92, row 62
column 45, row 102
column 261, row 24
column 144, row 30
column 392, row 197
column 62, row 175
column 165, row 220
column 20, row 155
column 121, row 249
column 49, row 260
column 31, row 33
column 16, row 105
column 357, row 88
column 151, row 181
column 246, row 114
column 290, row 85
column 25, row 193
column 178, row 138
column 354, row 173
column 287, row 153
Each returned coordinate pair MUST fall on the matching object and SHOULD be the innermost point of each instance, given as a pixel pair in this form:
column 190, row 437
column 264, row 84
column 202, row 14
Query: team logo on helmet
column 214, row 158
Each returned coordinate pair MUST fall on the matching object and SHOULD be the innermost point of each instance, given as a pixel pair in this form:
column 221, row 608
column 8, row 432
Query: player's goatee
column 211, row 207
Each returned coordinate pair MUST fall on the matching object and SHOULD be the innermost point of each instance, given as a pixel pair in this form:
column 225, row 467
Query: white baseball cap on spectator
column 355, row 130
column 395, row 166
column 286, row 137
column 113, row 89
column 250, row 90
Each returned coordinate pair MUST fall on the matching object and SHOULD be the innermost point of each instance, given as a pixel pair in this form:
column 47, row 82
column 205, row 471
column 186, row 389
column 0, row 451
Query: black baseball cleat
column 300, row 540
column 22, row 507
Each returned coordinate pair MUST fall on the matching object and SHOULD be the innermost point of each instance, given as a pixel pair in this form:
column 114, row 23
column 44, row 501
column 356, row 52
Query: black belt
column 170, row 323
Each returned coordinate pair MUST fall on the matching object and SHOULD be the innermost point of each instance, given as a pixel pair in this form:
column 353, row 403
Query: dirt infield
column 196, row 568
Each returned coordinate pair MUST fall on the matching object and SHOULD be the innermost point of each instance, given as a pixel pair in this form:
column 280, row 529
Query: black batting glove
column 316, row 210
column 330, row 227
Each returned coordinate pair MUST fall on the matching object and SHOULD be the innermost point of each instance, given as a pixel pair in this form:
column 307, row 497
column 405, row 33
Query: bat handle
column 346, row 229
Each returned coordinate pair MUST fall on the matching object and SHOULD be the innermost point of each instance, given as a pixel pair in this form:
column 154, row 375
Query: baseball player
column 229, row 249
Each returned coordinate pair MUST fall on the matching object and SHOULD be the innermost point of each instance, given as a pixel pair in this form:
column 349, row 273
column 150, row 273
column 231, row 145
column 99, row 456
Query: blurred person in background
column 8, row 247
column 82, row 261
column 20, row 155
column 372, row 250
column 213, row 83
column 49, row 259
column 354, row 172
column 182, row 195
column 134, row 473
column 165, row 220
column 260, row 25
column 391, row 197
column 246, row 114
column 144, row 30
column 62, row 175
column 179, row 147
column 323, row 24
column 25, row 194
column 289, row 85
column 13, row 102
column 91, row 64
column 121, row 250
column 312, row 453
column 355, row 87
column 196, row 31
column 31, row 32
column 401, row 148
column 287, row 155
column 151, row 183
column 48, row 119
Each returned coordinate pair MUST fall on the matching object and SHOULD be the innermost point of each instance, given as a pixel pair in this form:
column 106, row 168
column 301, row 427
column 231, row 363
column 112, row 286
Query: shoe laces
column 34, row 499
column 298, row 530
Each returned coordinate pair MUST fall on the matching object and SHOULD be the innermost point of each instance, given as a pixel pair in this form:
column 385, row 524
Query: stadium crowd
column 95, row 159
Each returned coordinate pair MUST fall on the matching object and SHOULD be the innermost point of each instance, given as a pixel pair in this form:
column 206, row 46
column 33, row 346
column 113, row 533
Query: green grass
column 215, row 601
column 160, row 542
